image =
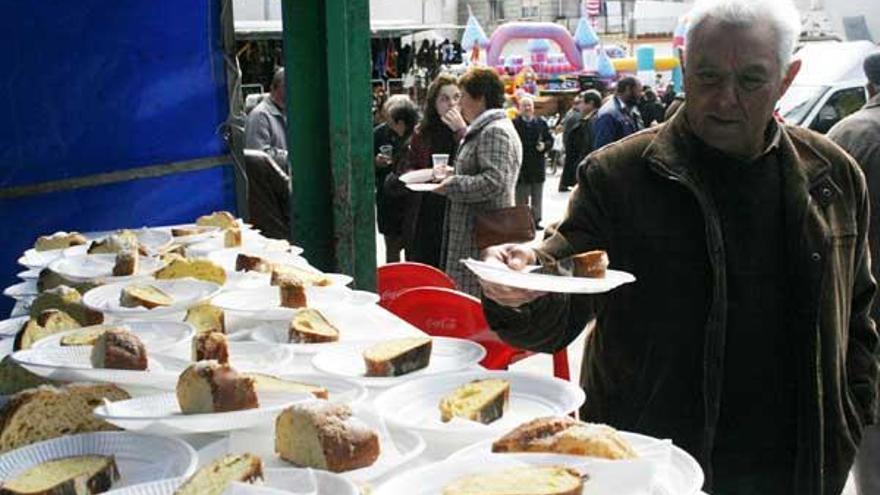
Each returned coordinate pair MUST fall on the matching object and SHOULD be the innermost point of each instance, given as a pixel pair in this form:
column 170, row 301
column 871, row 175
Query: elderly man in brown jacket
column 747, row 337
column 859, row 135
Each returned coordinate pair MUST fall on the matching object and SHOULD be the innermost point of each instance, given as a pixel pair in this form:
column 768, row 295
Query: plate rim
column 141, row 311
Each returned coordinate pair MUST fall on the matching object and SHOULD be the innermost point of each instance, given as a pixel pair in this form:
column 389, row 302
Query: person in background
column 557, row 152
column 423, row 218
column 536, row 141
column 486, row 167
column 619, row 117
column 580, row 138
column 266, row 126
column 653, row 112
column 401, row 117
column 747, row 336
column 859, row 135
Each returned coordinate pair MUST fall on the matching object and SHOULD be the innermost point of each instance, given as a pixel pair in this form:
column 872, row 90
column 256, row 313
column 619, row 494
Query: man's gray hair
column 524, row 97
column 394, row 101
column 782, row 14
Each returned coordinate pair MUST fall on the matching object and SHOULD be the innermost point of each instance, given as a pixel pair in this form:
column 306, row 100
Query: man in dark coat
column 579, row 141
column 619, row 116
column 534, row 134
column 746, row 337
column 859, row 135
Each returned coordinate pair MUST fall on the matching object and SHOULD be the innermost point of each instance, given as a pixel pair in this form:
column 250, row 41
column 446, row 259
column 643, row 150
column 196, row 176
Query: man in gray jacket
column 266, row 127
column 859, row 135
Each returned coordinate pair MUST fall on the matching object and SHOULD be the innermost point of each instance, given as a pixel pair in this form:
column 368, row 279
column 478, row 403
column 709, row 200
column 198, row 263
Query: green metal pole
column 327, row 55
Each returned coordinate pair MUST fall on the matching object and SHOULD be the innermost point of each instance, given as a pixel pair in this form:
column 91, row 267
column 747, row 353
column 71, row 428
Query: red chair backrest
column 394, row 278
column 448, row 313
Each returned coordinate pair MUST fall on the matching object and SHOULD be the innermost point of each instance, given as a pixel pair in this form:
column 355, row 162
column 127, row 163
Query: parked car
column 830, row 85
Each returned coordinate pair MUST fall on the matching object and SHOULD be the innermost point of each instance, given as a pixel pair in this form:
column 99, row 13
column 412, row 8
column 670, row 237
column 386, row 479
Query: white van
column 829, row 86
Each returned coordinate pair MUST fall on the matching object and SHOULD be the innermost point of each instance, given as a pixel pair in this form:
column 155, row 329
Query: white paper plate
column 503, row 275
column 447, row 355
column 157, row 335
column 354, row 325
column 39, row 259
column 29, row 274
column 186, row 292
column 427, row 187
column 87, row 267
column 10, row 327
column 139, row 458
column 414, row 405
column 396, row 446
column 22, row 290
column 300, row 481
column 226, row 257
column 418, row 176
column 160, row 414
column 631, row 478
column 264, row 303
column 256, row 357
column 676, row 471
column 69, row 364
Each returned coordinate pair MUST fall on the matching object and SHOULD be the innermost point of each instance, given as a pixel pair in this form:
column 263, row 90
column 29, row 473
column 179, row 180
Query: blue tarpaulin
column 100, row 86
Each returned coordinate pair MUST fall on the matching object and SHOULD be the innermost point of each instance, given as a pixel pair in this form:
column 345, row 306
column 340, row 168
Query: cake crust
column 95, row 474
column 208, row 386
column 592, row 264
column 309, row 326
column 563, row 435
column 398, row 357
column 119, row 348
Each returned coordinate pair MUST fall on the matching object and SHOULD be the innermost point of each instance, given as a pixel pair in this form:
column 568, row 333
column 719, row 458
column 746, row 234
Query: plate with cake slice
column 106, row 267
column 273, row 303
column 149, row 297
column 530, row 473
column 107, row 459
column 312, row 330
column 113, row 359
column 257, row 357
column 457, row 409
column 389, row 362
column 156, row 335
column 190, row 233
column 597, row 282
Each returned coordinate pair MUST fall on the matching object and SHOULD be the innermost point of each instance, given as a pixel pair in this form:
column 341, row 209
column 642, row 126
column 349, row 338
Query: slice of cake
column 522, row 480
column 14, row 377
column 309, row 278
column 324, row 435
column 210, row 345
column 68, row 300
column 232, row 237
column 592, row 264
column 564, row 435
column 222, row 219
column 214, row 478
column 269, row 383
column 483, row 401
column 75, row 475
column 201, row 269
column 124, row 240
column 208, row 387
column 48, row 280
column 188, row 231
column 247, row 263
column 59, row 240
column 45, row 412
column 120, row 349
column 85, row 336
column 309, row 326
column 49, row 322
column 398, row 357
column 206, row 318
column 292, row 292
column 126, row 263
column 148, row 296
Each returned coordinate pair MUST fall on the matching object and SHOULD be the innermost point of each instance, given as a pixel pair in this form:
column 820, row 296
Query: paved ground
column 554, row 207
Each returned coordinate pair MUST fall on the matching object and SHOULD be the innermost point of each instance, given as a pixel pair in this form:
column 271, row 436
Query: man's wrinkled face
column 732, row 81
column 527, row 108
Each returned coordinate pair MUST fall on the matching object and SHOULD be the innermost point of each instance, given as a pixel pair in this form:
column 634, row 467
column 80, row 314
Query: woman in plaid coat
column 486, row 168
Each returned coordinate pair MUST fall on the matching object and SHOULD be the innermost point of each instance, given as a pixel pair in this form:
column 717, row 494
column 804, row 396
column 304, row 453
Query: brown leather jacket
column 655, row 361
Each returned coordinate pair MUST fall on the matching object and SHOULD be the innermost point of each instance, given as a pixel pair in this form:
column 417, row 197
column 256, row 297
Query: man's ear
column 793, row 68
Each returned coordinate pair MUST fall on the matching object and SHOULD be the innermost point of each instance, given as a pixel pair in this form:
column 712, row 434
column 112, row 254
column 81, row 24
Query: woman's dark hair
column 404, row 111
column 432, row 120
column 482, row 81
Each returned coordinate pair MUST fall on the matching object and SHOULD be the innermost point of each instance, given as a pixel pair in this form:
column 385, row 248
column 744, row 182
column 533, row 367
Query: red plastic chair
column 394, row 278
column 449, row 313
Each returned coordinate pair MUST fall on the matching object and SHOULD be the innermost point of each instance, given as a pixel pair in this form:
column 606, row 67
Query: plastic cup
column 441, row 161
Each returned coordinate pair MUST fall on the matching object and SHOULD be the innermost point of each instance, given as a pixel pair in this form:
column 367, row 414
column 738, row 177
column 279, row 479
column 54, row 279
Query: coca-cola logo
column 446, row 323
